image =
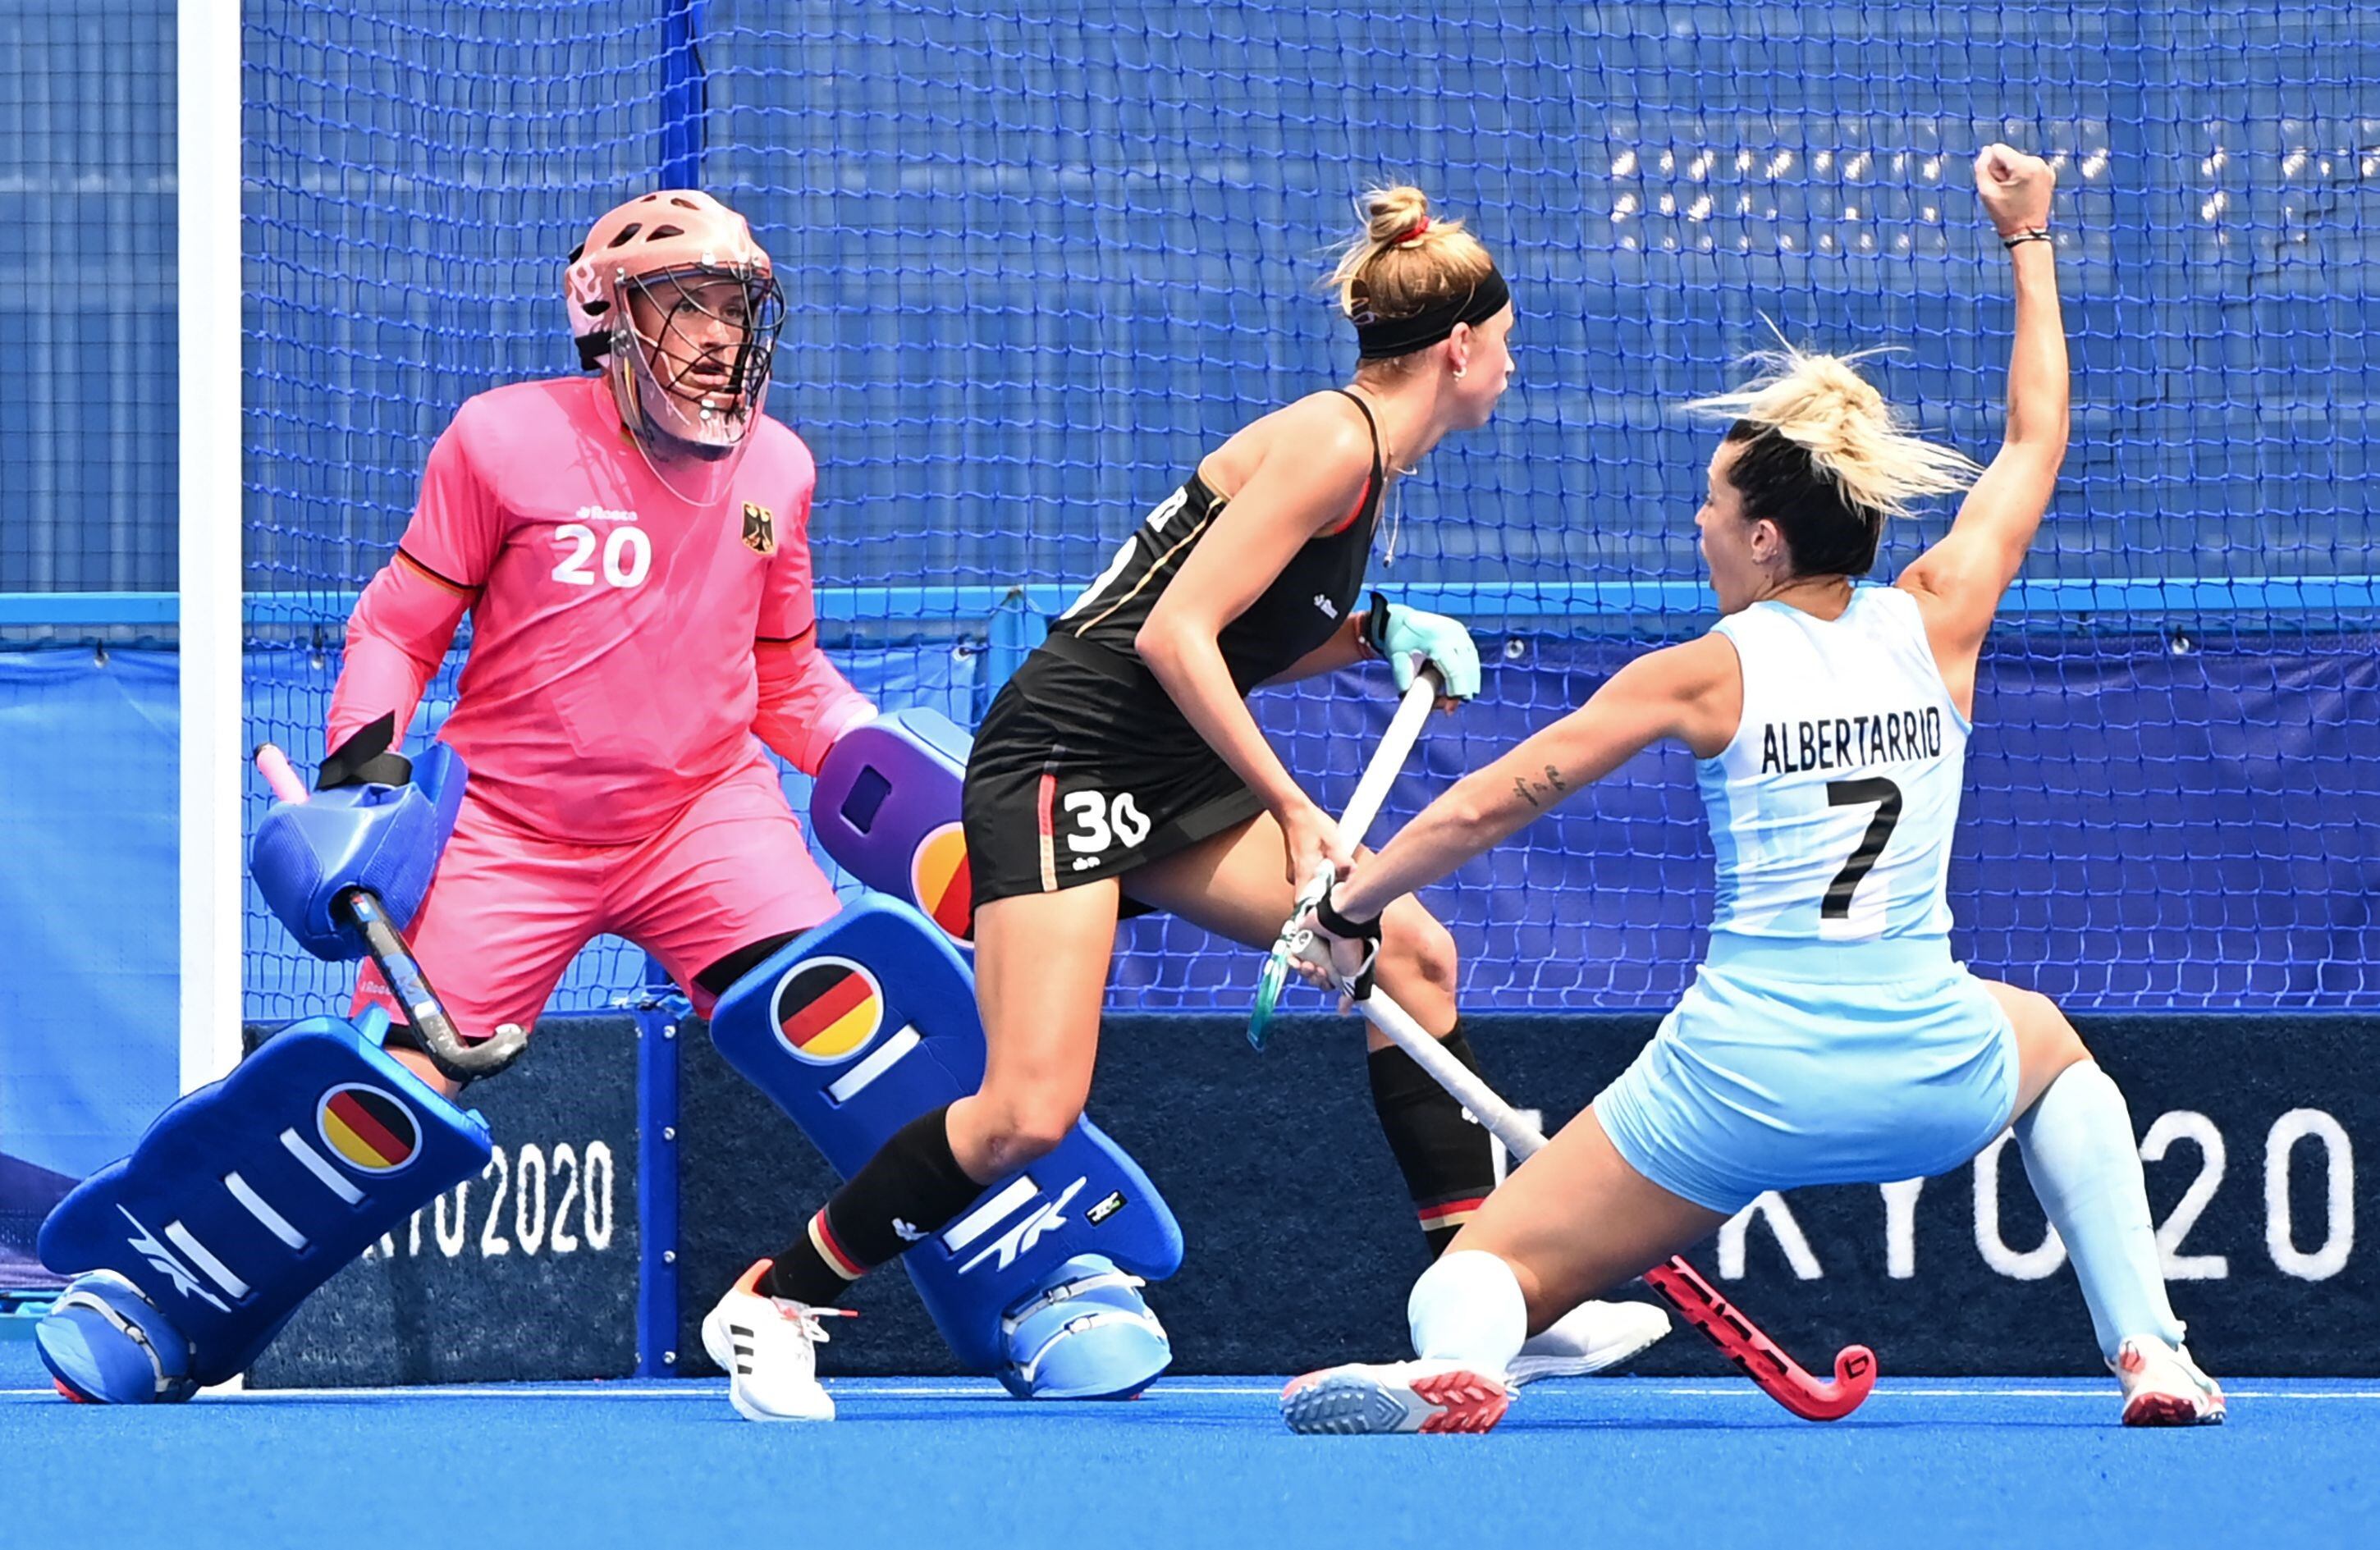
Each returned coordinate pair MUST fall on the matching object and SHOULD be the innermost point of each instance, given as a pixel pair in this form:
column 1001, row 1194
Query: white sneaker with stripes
column 1588, row 1338
column 770, row 1349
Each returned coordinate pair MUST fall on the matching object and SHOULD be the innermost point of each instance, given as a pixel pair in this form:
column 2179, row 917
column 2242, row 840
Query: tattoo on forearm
column 1553, row 786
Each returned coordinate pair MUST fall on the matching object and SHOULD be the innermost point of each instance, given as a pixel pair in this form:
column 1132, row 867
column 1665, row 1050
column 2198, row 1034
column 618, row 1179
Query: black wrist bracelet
column 2037, row 234
column 1326, row 915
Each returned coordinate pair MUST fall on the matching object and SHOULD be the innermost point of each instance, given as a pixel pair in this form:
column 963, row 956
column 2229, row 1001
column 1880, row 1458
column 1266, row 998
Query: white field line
column 709, row 1390
column 892, row 1389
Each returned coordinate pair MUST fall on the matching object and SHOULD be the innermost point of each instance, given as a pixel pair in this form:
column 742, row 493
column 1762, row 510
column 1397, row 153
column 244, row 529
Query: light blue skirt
column 1816, row 1063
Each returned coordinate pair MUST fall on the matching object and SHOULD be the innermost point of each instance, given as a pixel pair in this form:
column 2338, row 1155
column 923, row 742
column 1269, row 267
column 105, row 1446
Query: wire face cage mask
column 671, row 298
column 691, row 353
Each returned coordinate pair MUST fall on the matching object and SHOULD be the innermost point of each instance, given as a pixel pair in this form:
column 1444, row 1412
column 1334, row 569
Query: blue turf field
column 954, row 1464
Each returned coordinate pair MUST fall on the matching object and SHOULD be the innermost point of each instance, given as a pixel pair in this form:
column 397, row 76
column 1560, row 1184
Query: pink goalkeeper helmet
column 675, row 301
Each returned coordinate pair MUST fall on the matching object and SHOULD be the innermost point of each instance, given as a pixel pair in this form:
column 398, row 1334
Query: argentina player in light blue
column 1829, row 1036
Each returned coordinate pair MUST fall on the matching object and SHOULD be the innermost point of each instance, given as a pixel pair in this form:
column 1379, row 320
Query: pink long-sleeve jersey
column 627, row 645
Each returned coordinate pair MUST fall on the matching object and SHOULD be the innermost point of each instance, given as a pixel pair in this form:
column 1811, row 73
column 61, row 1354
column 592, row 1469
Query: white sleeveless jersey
column 1832, row 809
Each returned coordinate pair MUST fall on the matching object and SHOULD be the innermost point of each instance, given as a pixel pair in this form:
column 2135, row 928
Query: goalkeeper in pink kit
column 633, row 549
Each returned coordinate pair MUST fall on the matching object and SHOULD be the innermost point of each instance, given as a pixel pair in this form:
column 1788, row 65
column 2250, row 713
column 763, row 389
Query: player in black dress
column 1121, row 770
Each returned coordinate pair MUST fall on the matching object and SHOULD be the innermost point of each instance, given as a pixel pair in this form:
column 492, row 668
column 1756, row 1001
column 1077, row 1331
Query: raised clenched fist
column 2015, row 188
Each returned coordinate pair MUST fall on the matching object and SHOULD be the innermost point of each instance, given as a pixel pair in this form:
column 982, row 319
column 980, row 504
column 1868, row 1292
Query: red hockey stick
column 1758, row 1357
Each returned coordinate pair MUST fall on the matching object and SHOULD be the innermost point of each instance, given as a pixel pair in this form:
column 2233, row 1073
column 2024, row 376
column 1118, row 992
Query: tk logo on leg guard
column 1020, row 1237
column 164, row 1261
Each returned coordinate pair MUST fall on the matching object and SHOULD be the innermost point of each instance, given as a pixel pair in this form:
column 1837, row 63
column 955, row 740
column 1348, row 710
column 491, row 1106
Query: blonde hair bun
column 1822, row 404
column 1405, row 260
column 1391, row 215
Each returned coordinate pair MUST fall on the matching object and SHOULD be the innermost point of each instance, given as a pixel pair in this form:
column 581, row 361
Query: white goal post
column 209, row 309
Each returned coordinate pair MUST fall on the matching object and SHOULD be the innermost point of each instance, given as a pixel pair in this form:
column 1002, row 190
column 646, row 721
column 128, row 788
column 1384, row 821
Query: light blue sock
column 1468, row 1308
column 2085, row 1163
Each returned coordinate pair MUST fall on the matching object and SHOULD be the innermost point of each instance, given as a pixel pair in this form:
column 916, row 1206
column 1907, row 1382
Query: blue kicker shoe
column 106, row 1344
column 1088, row 1337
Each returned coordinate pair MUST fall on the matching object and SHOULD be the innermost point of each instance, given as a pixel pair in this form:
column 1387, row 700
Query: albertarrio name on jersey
column 1851, row 742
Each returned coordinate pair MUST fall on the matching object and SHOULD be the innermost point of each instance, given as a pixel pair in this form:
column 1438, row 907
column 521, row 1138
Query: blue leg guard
column 242, row 1198
column 861, row 1026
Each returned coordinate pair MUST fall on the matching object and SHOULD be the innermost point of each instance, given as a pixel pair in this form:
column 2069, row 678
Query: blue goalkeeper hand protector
column 377, row 823
column 1408, row 638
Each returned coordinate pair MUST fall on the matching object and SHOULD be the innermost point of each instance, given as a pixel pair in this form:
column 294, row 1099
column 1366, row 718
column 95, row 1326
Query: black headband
column 1397, row 336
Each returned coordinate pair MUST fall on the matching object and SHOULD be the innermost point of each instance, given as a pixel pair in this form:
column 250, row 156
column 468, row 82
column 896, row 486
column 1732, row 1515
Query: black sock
column 1449, row 1162
column 912, row 1187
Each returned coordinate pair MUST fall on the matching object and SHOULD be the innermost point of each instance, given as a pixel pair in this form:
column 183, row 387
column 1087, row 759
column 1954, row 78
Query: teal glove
column 1401, row 635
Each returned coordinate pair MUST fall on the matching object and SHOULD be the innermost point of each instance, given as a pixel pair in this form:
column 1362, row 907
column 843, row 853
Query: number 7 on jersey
column 1848, row 793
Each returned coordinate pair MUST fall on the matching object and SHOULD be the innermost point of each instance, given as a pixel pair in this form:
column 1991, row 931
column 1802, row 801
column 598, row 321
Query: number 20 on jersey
column 624, row 555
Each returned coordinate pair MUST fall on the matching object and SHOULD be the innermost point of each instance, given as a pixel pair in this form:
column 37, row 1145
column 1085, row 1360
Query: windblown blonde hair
column 1855, row 440
column 1385, row 271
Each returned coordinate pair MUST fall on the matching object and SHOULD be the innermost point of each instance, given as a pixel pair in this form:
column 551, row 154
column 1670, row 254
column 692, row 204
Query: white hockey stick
column 1371, row 790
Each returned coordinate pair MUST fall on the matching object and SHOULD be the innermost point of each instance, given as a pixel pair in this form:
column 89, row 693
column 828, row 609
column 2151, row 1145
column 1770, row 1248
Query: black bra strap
column 1377, row 471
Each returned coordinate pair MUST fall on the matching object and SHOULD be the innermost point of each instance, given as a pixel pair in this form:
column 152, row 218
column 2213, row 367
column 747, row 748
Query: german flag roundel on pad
column 827, row 1008
column 369, row 1129
column 944, row 883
